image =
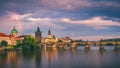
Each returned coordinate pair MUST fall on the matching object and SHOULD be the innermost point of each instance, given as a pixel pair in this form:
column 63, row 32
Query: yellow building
column 12, row 38
column 50, row 38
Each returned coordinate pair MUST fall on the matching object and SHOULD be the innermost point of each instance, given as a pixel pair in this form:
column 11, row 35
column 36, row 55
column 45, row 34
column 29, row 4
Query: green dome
column 14, row 31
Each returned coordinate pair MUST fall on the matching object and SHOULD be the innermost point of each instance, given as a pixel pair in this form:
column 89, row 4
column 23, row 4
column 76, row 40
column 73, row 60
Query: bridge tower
column 38, row 35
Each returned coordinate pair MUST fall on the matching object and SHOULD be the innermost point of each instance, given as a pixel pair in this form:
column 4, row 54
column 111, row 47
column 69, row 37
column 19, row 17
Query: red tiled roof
column 3, row 35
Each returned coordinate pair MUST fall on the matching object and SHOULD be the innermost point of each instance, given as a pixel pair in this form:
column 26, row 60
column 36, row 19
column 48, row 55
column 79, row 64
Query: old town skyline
column 87, row 20
column 52, row 34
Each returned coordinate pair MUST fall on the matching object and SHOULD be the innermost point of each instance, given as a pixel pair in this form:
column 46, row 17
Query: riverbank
column 9, row 48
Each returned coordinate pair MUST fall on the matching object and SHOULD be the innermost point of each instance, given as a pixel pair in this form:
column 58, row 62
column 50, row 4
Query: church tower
column 38, row 35
column 49, row 34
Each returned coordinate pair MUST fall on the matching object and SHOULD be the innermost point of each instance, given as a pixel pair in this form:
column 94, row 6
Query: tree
column 29, row 43
column 18, row 44
column 4, row 43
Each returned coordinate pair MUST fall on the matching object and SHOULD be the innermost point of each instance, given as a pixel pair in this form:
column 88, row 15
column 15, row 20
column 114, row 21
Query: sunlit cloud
column 37, row 19
column 10, row 20
column 48, row 22
column 26, row 22
column 26, row 15
column 14, row 16
column 95, row 22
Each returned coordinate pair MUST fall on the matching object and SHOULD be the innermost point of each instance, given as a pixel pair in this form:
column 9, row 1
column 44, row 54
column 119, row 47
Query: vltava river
column 62, row 58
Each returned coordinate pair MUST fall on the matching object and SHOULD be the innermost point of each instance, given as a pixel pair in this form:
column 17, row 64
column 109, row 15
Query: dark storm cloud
column 19, row 6
column 65, row 8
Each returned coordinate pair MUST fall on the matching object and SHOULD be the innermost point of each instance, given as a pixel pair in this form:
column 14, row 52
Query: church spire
column 49, row 32
column 38, row 30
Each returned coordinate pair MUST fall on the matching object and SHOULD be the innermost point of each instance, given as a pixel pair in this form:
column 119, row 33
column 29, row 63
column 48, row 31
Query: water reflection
column 32, row 59
column 73, row 50
column 9, row 59
column 62, row 58
column 87, row 51
column 3, row 59
column 117, row 51
column 49, row 56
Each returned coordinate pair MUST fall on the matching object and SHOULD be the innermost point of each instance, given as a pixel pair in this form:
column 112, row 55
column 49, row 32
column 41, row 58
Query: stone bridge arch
column 109, row 44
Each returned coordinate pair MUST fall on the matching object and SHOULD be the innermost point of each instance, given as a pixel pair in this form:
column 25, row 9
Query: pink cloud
column 48, row 22
column 37, row 19
column 10, row 20
column 95, row 22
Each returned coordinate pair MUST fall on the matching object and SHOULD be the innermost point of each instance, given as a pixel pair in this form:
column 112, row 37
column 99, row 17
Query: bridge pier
column 117, row 46
column 87, row 46
column 102, row 47
column 87, row 50
column 61, row 45
column 73, row 45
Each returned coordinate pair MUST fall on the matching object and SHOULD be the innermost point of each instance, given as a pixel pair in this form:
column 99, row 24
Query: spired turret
column 14, row 32
column 49, row 34
column 38, row 35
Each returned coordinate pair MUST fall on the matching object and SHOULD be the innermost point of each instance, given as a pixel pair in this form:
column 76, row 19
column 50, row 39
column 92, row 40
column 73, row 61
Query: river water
column 62, row 58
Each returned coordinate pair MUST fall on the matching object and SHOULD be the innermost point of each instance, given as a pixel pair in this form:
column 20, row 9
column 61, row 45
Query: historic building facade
column 12, row 38
column 49, row 39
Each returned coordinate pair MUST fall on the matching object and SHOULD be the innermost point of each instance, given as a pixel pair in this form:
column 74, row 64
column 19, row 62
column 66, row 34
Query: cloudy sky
column 79, row 19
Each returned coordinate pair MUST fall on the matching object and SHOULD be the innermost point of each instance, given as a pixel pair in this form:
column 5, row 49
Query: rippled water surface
column 62, row 58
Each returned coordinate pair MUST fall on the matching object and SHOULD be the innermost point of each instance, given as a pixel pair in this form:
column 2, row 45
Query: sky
column 77, row 19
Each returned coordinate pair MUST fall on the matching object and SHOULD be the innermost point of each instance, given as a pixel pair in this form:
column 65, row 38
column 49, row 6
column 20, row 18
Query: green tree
column 4, row 43
column 18, row 44
column 29, row 43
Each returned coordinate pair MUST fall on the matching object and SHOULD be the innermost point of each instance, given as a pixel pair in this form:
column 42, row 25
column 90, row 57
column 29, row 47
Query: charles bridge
column 86, row 44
